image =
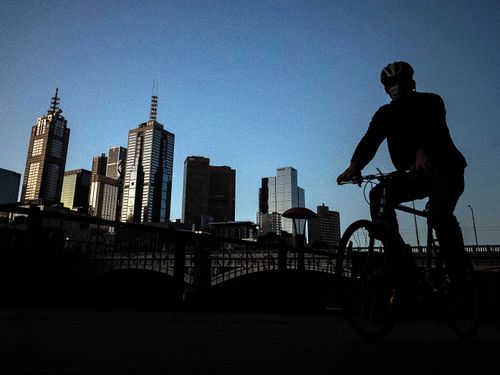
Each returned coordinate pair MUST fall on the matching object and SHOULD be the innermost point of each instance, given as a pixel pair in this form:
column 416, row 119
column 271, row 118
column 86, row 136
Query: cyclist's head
column 397, row 78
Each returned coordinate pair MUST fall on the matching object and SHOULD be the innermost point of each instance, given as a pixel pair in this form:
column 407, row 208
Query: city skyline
column 290, row 83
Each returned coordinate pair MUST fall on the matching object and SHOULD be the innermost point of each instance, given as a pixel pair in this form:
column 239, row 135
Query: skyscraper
column 115, row 170
column 222, row 192
column 104, row 191
column 103, row 197
column 116, row 160
column 195, row 191
column 148, row 172
column 276, row 195
column 99, row 164
column 208, row 192
column 48, row 146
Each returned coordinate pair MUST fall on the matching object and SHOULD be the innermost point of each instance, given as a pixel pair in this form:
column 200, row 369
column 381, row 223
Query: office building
column 46, row 160
column 114, row 169
column 269, row 223
column 208, row 193
column 116, row 162
column 239, row 230
column 147, row 187
column 276, row 195
column 9, row 186
column 222, row 193
column 99, row 164
column 325, row 229
column 103, row 198
column 75, row 190
column 104, row 191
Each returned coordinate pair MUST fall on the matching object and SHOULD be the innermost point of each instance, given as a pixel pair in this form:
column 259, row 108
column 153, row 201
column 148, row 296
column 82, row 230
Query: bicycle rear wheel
column 366, row 291
column 463, row 305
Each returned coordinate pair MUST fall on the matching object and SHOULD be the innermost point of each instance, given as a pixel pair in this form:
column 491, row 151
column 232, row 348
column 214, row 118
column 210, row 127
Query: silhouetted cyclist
column 414, row 125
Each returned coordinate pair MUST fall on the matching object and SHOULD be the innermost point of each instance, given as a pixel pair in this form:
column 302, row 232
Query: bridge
column 79, row 249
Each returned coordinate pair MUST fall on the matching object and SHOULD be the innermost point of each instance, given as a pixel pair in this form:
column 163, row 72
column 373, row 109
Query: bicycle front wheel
column 366, row 291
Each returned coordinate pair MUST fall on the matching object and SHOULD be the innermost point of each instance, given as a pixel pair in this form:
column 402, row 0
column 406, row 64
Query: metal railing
column 77, row 248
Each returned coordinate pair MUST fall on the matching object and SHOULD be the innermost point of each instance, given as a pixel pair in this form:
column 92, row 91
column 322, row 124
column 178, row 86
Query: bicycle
column 372, row 277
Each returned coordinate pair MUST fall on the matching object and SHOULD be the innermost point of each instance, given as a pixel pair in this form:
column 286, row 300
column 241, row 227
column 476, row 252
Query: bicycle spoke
column 367, row 298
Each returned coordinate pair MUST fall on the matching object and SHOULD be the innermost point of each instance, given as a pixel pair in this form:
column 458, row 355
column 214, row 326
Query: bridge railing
column 59, row 245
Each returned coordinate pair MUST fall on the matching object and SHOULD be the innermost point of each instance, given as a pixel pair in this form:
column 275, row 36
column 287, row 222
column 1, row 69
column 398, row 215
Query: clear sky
column 255, row 85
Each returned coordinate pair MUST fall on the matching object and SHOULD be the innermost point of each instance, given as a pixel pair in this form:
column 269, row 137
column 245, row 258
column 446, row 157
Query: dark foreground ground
column 158, row 342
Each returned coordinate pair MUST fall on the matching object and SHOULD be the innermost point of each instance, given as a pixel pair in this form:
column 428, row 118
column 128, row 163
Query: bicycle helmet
column 396, row 72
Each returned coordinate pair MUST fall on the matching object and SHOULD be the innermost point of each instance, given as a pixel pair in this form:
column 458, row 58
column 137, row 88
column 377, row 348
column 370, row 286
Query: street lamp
column 299, row 216
column 473, row 222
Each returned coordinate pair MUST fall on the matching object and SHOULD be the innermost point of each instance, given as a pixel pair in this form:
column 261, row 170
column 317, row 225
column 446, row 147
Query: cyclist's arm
column 352, row 172
column 369, row 144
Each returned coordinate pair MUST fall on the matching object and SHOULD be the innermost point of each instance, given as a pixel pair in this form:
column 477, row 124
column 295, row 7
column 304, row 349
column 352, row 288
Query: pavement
column 58, row 341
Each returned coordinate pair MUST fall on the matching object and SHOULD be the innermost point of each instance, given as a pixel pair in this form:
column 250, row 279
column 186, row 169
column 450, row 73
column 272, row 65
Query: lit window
column 37, row 147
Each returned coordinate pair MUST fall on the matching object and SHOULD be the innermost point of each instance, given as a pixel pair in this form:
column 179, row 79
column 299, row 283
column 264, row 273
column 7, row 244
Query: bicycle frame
column 368, row 294
column 430, row 243
column 430, row 237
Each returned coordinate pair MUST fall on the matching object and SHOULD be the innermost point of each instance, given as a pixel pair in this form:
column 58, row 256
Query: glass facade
column 68, row 191
column 148, row 174
column 116, row 158
column 103, row 197
column 76, row 188
column 282, row 192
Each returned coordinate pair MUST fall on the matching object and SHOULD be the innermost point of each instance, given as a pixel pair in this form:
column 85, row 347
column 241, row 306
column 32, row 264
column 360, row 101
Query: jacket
column 410, row 124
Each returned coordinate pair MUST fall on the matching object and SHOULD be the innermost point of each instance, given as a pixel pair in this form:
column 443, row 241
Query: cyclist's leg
column 398, row 190
column 463, row 308
column 446, row 189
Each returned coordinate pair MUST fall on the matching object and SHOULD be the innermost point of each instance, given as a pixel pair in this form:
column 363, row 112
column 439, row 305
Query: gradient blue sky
column 255, row 85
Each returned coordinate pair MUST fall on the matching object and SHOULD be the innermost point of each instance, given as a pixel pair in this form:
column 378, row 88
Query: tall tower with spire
column 147, row 187
column 46, row 160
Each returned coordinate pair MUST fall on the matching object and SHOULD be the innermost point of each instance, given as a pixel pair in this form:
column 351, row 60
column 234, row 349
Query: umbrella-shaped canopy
column 299, row 213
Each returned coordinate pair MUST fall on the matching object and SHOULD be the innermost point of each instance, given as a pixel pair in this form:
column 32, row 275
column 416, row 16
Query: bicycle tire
column 463, row 305
column 365, row 288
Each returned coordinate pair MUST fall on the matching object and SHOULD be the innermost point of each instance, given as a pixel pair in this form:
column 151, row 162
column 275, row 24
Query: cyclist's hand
column 423, row 163
column 352, row 173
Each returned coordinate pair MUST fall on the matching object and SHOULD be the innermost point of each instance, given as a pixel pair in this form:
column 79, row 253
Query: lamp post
column 297, row 214
column 473, row 223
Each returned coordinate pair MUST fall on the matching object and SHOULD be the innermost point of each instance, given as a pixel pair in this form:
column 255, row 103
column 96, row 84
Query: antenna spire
column 154, row 102
column 54, row 103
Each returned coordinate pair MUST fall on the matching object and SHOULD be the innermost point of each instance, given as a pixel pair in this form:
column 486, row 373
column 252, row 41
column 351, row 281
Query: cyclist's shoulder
column 383, row 110
column 428, row 96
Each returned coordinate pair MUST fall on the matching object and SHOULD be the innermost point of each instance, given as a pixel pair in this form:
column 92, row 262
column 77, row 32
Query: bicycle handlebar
column 380, row 176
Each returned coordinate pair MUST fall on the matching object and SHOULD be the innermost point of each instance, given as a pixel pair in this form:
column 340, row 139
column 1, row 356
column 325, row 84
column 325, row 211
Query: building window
column 41, row 126
column 56, row 149
column 37, row 147
column 52, row 179
column 32, row 180
column 59, row 128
